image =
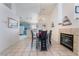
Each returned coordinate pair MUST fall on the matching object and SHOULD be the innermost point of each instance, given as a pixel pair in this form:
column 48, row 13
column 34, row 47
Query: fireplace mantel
column 75, row 32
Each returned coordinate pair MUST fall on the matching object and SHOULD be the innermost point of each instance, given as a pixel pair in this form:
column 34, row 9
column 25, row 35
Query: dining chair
column 44, row 41
column 33, row 38
column 50, row 34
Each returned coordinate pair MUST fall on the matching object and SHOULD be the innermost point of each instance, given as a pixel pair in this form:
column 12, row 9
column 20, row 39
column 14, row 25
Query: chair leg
column 32, row 44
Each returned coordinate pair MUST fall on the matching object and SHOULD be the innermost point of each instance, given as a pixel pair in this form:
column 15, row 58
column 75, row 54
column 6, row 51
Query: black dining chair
column 43, row 40
column 32, row 39
column 50, row 34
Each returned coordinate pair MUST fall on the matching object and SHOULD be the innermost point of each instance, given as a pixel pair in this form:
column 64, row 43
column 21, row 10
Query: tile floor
column 23, row 48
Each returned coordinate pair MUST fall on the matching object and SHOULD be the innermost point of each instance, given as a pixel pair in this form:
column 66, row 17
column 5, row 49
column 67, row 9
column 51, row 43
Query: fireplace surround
column 66, row 40
column 72, row 31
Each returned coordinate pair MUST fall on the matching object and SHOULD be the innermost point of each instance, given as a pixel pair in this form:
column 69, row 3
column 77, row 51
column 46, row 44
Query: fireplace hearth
column 66, row 40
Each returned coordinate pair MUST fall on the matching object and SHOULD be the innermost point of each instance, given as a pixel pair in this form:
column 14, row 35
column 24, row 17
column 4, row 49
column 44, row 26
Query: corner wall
column 65, row 9
column 8, row 36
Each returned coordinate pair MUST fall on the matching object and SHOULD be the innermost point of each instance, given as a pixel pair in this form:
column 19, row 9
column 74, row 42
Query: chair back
column 50, row 34
column 32, row 39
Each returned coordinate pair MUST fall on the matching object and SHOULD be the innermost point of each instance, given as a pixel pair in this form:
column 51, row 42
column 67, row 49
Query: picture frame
column 12, row 23
column 76, row 9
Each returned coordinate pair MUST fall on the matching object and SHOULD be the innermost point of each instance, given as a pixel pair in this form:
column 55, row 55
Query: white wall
column 65, row 9
column 59, row 12
column 8, row 36
column 68, row 10
column 56, row 20
column 76, row 16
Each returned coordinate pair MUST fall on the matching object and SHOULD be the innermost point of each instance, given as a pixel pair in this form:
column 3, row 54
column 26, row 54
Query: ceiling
column 31, row 11
column 28, row 9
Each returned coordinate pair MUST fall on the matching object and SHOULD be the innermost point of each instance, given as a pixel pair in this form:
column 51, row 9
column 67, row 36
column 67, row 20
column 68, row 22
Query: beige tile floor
column 23, row 48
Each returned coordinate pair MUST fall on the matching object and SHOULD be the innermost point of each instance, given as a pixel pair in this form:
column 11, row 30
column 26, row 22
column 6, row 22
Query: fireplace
column 66, row 40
